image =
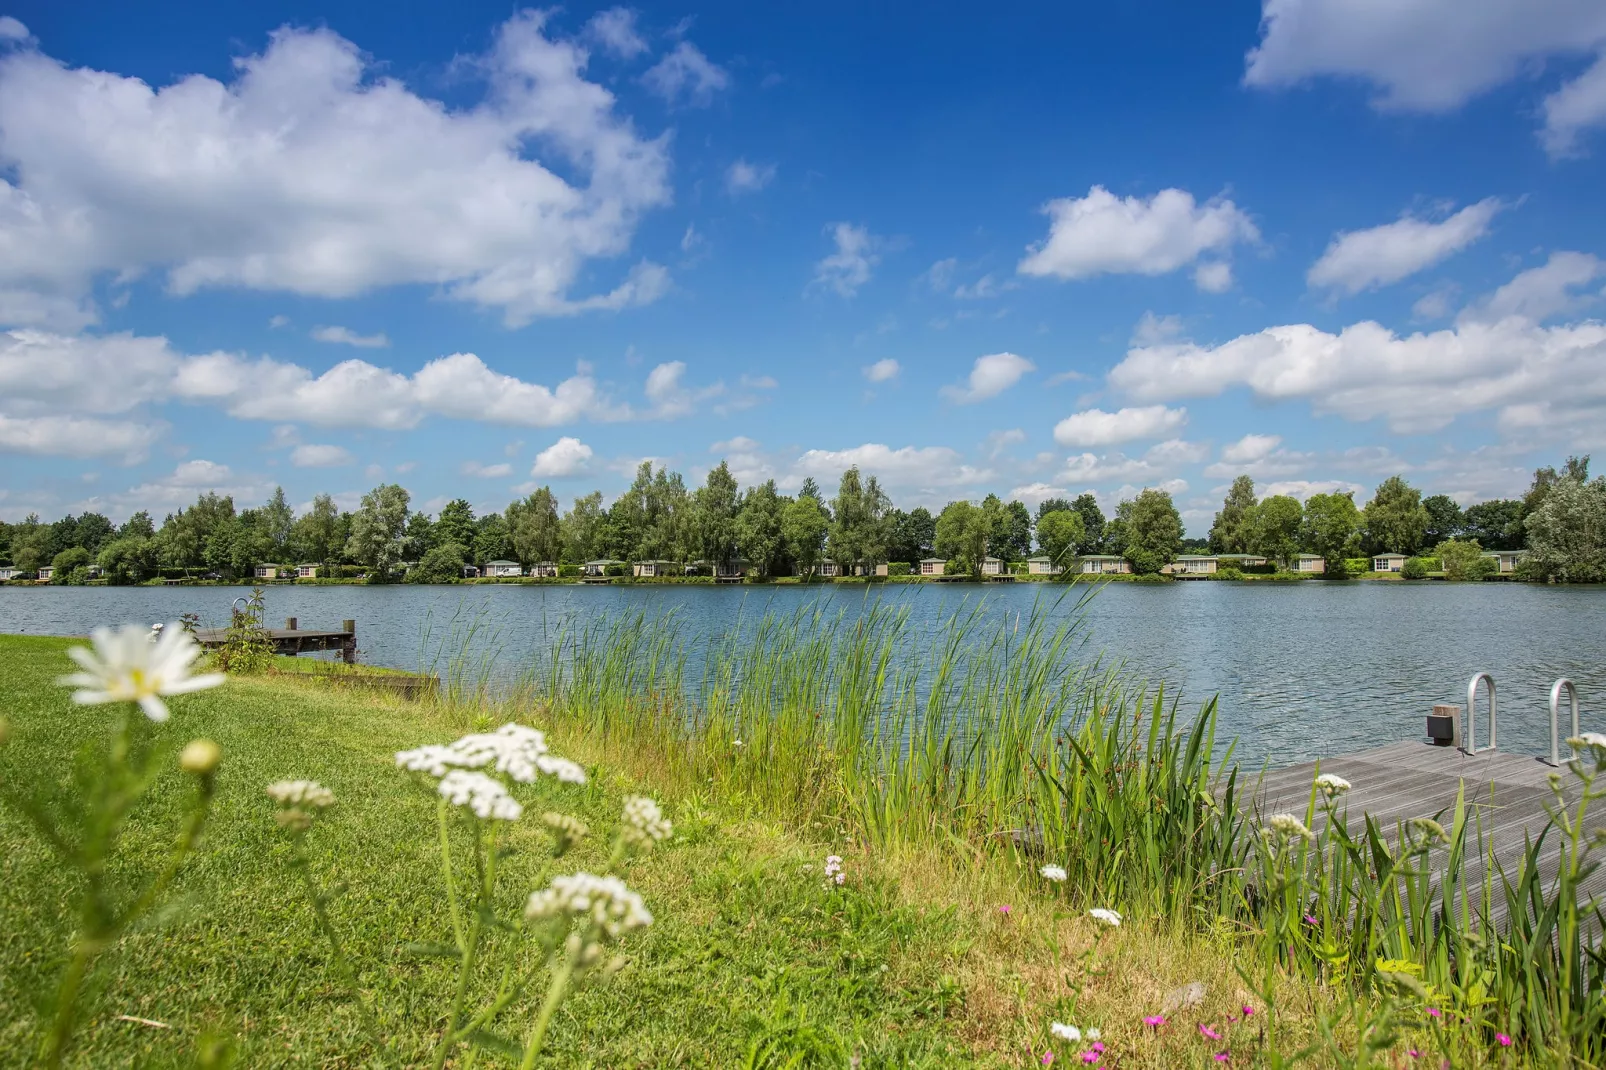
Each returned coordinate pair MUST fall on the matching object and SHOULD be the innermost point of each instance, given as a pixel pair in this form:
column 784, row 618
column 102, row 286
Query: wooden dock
column 1506, row 798
column 293, row 640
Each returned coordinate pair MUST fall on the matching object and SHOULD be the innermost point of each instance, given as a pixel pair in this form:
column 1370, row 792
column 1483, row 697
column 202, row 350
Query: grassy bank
column 943, row 785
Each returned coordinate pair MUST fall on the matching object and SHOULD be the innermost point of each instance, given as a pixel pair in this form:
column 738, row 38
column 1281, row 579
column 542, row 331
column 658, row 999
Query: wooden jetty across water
column 1506, row 796
column 293, row 640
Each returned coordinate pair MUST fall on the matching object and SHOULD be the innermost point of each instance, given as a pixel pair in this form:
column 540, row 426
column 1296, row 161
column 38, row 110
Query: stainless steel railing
column 1472, row 711
column 1556, row 689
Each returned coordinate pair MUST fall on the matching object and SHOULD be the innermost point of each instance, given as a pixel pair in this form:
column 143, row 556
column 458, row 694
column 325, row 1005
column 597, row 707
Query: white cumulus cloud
column 1545, row 291
column 615, row 30
column 909, row 466
column 989, row 376
column 565, row 457
column 348, row 337
column 1359, row 260
column 1096, row 427
column 1104, row 234
column 882, row 370
column 75, row 436
column 744, row 177
column 476, row 470
column 313, row 171
column 686, row 75
column 311, row 455
column 849, row 268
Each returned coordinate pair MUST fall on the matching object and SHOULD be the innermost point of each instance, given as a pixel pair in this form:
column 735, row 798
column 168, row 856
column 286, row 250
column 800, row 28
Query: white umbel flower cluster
column 1594, row 741
column 1056, row 874
column 833, row 870
column 643, row 823
column 301, row 793
column 1331, row 786
column 1288, row 827
column 1106, row 917
column 514, row 750
column 606, row 901
column 482, row 794
column 1068, row 1033
column 126, row 666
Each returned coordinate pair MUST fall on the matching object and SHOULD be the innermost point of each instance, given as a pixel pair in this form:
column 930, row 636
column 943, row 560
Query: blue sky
column 473, row 250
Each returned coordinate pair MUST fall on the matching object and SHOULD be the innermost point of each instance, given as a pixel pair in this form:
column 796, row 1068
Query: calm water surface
column 1302, row 670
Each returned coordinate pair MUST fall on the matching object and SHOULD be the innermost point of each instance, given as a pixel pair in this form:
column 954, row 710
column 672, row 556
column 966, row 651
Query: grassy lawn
column 748, row 950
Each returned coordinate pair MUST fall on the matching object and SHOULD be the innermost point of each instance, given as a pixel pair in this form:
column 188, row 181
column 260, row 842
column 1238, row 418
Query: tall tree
column 277, row 519
column 849, row 522
column 585, row 530
column 1092, row 523
column 420, row 537
column 1059, row 534
column 532, row 525
column 1332, row 528
column 1495, row 524
column 456, row 523
column 317, row 532
column 1017, row 541
column 492, row 540
column 962, row 533
column 1053, row 505
column 138, row 525
column 1394, row 521
column 1567, row 532
column 759, row 532
column 1230, row 534
column 1444, row 519
column 1153, row 531
column 377, row 528
column 805, row 524
column 714, row 509
column 1274, row 529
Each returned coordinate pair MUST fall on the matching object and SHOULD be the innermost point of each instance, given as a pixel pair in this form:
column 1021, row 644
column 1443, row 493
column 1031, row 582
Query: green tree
column 1576, row 469
column 1153, row 531
column 533, row 530
column 1059, row 534
column 277, row 522
column 442, row 563
column 491, row 539
column 1053, row 505
column 1462, row 559
column 1332, row 529
column 317, row 534
column 129, row 559
column 759, row 531
column 1274, row 529
column 139, row 525
column 1093, row 524
column 456, row 523
column 377, row 528
column 1497, row 524
column 1567, row 532
column 1232, row 531
column 1016, row 544
column 419, row 538
column 1395, row 520
column 1444, row 519
column 585, row 530
column 848, row 521
column 962, row 533
column 714, row 508
column 805, row 524
column 70, row 565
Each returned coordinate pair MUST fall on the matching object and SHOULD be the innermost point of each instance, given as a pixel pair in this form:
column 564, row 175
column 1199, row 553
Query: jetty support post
column 348, row 645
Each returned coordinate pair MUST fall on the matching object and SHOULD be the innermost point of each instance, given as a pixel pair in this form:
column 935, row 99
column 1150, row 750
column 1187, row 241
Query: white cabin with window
column 933, row 566
column 500, row 569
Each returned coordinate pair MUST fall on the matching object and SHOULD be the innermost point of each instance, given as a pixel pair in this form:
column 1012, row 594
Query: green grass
column 748, row 948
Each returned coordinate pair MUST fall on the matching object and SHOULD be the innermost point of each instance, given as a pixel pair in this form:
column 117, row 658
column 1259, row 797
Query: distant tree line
column 1560, row 521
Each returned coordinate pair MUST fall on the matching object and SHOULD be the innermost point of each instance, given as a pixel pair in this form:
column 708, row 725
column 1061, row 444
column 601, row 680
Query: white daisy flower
column 1093, row 1034
column 1107, row 917
column 607, row 901
column 125, row 666
column 1331, row 786
column 644, row 823
column 301, row 793
column 1056, row 874
column 1068, row 1033
column 482, row 794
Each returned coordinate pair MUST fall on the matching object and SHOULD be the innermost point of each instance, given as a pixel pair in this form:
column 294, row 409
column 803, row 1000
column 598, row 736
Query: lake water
column 1302, row 669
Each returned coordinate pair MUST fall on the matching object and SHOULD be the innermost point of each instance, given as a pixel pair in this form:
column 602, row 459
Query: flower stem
column 554, row 998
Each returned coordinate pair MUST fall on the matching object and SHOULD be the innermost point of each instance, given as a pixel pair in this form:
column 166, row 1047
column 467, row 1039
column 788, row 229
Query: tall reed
column 995, row 737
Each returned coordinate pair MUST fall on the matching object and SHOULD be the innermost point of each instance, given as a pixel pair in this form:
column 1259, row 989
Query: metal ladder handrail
column 1472, row 712
column 1555, row 720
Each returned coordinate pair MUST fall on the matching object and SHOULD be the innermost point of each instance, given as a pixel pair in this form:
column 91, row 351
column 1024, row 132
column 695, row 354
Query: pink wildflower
column 1222, row 1057
column 1004, row 910
column 1206, row 1031
column 1413, row 1053
column 1154, row 1021
column 1098, row 1046
column 1310, row 919
column 1249, row 1012
column 1505, row 1041
column 1090, row 1056
column 1435, row 1012
column 1047, row 1059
